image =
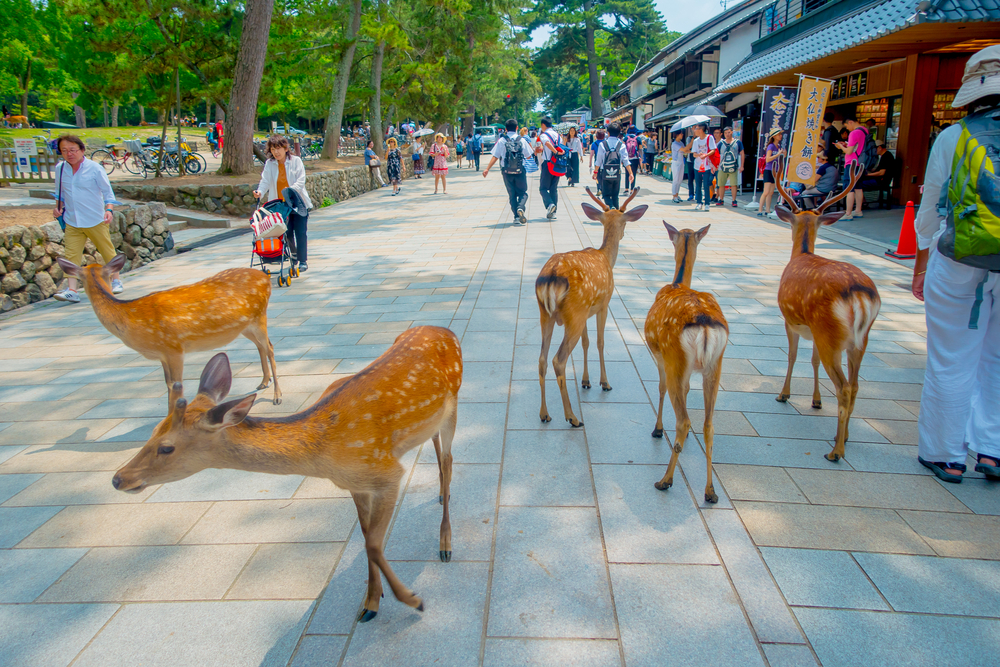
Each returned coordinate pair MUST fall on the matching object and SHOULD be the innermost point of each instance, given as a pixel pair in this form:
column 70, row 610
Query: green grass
column 111, row 134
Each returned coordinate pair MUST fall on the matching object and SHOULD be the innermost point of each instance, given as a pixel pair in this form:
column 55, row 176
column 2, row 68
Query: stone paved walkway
column 564, row 553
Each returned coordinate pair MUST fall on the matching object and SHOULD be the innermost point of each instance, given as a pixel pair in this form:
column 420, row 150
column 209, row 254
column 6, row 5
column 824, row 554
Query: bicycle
column 130, row 159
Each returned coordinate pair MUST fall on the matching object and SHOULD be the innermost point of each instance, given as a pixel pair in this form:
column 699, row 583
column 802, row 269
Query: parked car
column 280, row 129
column 489, row 134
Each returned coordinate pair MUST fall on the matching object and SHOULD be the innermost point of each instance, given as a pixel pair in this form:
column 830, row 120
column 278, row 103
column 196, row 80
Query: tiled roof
column 963, row 11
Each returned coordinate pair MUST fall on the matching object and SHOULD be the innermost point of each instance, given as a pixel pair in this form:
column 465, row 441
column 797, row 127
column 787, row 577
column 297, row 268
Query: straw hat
column 773, row 132
column 982, row 77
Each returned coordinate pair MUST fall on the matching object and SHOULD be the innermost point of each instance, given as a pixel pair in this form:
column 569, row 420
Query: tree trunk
column 220, row 113
column 163, row 140
column 239, row 126
column 335, row 116
column 24, row 90
column 469, row 121
column 142, row 114
column 180, row 154
column 208, row 111
column 596, row 103
column 378, row 132
column 114, row 114
column 79, row 113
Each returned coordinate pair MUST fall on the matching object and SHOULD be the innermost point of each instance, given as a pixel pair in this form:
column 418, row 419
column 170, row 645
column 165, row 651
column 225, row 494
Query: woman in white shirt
column 575, row 146
column 284, row 178
column 678, row 151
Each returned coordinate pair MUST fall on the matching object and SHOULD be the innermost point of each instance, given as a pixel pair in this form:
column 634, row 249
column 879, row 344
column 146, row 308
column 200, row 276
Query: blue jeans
column 702, row 181
column 297, row 221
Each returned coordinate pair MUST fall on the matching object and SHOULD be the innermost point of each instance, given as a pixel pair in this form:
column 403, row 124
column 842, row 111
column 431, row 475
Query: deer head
column 93, row 274
column 685, row 249
column 190, row 438
column 614, row 219
column 805, row 224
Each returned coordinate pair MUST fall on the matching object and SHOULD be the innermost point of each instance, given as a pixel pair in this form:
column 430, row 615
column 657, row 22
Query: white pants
column 960, row 403
column 677, row 172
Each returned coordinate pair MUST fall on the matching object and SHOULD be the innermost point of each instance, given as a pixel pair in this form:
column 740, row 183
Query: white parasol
column 423, row 133
column 688, row 122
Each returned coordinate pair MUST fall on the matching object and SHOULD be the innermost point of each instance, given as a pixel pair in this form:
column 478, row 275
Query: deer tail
column 550, row 291
column 704, row 341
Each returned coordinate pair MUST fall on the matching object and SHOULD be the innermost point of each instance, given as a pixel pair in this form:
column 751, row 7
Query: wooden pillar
column 915, row 124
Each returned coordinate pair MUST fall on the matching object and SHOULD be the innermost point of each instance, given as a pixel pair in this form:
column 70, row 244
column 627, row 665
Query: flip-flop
column 991, row 472
column 938, row 468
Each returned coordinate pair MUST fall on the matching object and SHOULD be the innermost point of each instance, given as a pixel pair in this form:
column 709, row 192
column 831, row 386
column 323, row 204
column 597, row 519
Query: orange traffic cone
column 907, row 246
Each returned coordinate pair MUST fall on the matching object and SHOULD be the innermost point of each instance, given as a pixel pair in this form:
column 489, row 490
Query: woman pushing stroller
column 284, row 178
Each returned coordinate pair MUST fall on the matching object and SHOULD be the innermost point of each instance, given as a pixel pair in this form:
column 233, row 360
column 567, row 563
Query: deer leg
column 258, row 335
column 710, row 384
column 854, row 357
column 585, row 341
column 573, row 330
column 548, row 323
column 658, row 429
column 678, row 398
column 817, row 399
column 383, row 502
column 442, row 443
column 793, row 351
column 831, row 362
column 363, row 502
column 173, row 371
column 602, row 319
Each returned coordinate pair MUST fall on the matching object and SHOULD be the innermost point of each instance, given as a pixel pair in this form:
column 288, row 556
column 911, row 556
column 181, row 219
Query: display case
column 943, row 113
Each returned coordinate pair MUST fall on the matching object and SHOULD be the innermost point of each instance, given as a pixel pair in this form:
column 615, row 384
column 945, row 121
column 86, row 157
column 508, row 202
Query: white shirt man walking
column 512, row 151
column 85, row 201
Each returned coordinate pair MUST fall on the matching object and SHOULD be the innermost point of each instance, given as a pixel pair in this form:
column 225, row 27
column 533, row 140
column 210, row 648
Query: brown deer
column 831, row 303
column 166, row 325
column 572, row 287
column 686, row 332
column 354, row 435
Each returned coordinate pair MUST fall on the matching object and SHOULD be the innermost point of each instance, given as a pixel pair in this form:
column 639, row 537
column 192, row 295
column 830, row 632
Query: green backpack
column 970, row 200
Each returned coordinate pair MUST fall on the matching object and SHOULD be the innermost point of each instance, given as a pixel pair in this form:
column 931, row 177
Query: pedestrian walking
column 678, row 167
column 853, row 150
column 731, row 157
column 649, row 151
column 689, row 169
column 373, row 163
column 612, row 158
column 477, row 148
column 831, row 135
column 772, row 152
column 703, row 148
column 440, row 153
column 218, row 133
column 634, row 151
column 594, row 145
column 84, row 200
column 961, row 392
column 418, row 158
column 514, row 152
column 575, row 147
column 549, row 181
column 284, row 178
column 394, row 164
column 459, row 152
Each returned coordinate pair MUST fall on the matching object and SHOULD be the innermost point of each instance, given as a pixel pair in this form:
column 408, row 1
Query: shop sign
column 776, row 113
column 807, row 131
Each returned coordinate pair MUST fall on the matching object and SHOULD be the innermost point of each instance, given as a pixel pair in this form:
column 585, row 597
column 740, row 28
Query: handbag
column 267, row 224
column 62, row 216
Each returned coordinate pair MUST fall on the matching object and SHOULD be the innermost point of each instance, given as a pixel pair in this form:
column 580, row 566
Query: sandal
column 991, row 471
column 939, row 469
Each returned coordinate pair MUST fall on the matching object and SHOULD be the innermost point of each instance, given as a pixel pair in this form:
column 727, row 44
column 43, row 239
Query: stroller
column 269, row 248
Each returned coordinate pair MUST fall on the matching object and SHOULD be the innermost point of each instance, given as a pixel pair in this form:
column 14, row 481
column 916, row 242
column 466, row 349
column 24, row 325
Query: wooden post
column 915, row 124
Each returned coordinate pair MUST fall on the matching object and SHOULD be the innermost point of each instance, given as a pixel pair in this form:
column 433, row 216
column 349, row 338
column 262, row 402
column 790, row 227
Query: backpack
column 513, row 161
column 970, row 198
column 869, row 154
column 559, row 162
column 730, row 158
column 632, row 146
column 459, row 146
column 477, row 144
column 612, row 169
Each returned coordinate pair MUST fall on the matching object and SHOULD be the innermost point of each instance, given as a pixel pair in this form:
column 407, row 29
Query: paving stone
column 45, row 411
column 43, row 635
column 479, row 436
column 488, row 346
column 620, row 433
column 319, row 651
column 819, row 578
column 485, row 381
column 75, row 488
column 549, row 576
column 489, row 318
column 223, row 484
column 131, row 430
column 117, row 525
column 744, row 482
column 957, row 535
column 256, row 521
column 871, row 489
column 871, row 457
column 551, row 652
column 790, row 453
column 789, row 655
column 28, row 572
column 677, row 613
column 11, row 485
column 56, row 431
column 810, row 427
column 975, row 492
column 548, row 468
column 229, row 633
column 525, row 400
column 286, row 571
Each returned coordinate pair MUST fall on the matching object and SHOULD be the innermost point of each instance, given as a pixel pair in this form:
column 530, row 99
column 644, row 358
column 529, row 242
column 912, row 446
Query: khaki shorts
column 100, row 236
column 724, row 178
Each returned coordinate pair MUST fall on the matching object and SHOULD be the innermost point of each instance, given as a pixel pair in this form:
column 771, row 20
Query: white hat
column 981, row 78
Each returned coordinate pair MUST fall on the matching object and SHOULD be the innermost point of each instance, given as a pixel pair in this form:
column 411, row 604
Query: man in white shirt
column 703, row 149
column 612, row 147
column 85, row 200
column 548, row 183
column 514, row 176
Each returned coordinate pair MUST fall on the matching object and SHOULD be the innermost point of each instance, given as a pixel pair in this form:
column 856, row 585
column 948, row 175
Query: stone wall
column 237, row 200
column 28, row 268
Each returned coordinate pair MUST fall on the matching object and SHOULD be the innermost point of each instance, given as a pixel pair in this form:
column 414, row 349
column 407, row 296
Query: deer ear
column 784, row 214
column 702, row 232
column 635, row 213
column 830, row 218
column 217, row 378
column 229, row 413
column 69, row 268
column 591, row 212
column 671, row 230
column 115, row 264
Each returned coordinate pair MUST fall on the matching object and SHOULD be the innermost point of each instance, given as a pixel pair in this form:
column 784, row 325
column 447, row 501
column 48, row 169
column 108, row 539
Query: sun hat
column 981, row 78
column 773, row 132
column 879, row 142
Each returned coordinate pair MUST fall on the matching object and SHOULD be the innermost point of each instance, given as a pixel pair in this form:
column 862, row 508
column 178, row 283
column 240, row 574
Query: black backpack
column 869, row 154
column 612, row 169
column 513, row 162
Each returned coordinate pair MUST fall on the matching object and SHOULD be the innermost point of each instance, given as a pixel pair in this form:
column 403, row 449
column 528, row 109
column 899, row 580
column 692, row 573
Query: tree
column 335, row 116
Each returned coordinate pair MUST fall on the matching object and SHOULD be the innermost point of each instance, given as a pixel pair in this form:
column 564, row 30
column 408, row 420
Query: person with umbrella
column 703, row 148
column 678, row 150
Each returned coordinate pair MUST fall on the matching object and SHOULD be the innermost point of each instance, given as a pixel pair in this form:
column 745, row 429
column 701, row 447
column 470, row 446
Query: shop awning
column 872, row 35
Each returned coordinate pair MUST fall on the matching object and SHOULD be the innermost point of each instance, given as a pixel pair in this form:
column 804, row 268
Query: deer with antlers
column 354, row 435
column 572, row 287
column 203, row 316
column 832, row 303
column 686, row 332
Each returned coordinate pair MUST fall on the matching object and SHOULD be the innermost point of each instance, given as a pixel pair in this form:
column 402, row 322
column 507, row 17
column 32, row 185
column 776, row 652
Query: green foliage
column 327, row 202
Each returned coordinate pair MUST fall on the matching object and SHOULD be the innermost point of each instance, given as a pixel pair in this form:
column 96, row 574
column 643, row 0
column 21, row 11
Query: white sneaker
column 697, row 207
column 116, row 286
column 67, row 295
column 551, row 212
column 521, row 217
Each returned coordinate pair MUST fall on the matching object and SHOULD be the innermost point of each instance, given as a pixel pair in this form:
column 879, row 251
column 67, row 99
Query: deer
column 354, row 435
column 686, row 332
column 164, row 326
column 572, row 287
column 833, row 304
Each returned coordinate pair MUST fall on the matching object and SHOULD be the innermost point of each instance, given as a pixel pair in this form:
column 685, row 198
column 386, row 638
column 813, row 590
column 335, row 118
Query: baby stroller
column 269, row 244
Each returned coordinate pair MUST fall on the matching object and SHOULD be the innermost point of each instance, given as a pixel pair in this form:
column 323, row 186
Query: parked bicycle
column 129, row 158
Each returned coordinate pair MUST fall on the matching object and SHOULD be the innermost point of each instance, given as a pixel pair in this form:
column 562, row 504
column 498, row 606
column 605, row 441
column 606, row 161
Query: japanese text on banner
column 807, row 133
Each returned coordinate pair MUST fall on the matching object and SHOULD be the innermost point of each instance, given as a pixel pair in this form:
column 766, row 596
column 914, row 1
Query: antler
column 635, row 191
column 856, row 172
column 602, row 204
column 784, row 193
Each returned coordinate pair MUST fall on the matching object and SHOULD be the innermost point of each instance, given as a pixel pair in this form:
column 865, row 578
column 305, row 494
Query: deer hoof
column 832, row 456
column 711, row 498
column 366, row 615
column 420, row 607
column 277, row 400
column 657, row 433
column 605, row 386
column 818, row 405
column 783, row 398
column 445, row 556
column 575, row 423
column 585, row 384
column 663, row 486
column 263, row 385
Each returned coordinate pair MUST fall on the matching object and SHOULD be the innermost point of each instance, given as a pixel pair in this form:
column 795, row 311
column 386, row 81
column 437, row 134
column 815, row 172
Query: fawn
column 834, row 304
column 354, row 435
column 572, row 287
column 686, row 332
column 191, row 318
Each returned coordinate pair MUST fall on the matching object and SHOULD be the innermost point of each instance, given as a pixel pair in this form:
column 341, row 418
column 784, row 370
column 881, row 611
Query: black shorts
column 768, row 176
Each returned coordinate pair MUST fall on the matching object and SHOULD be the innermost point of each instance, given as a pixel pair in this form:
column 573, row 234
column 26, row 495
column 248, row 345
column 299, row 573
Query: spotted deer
column 571, row 288
column 354, row 435
column 831, row 303
column 686, row 332
column 164, row 326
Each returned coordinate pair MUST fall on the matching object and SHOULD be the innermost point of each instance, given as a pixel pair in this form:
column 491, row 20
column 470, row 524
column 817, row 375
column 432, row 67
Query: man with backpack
column 513, row 150
column 611, row 159
column 477, row 148
column 957, row 276
column 859, row 148
column 633, row 148
column 555, row 163
column 730, row 165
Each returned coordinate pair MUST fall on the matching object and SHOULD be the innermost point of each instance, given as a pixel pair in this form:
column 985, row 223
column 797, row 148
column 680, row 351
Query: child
column 440, row 152
column 459, row 150
column 418, row 158
column 394, row 164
